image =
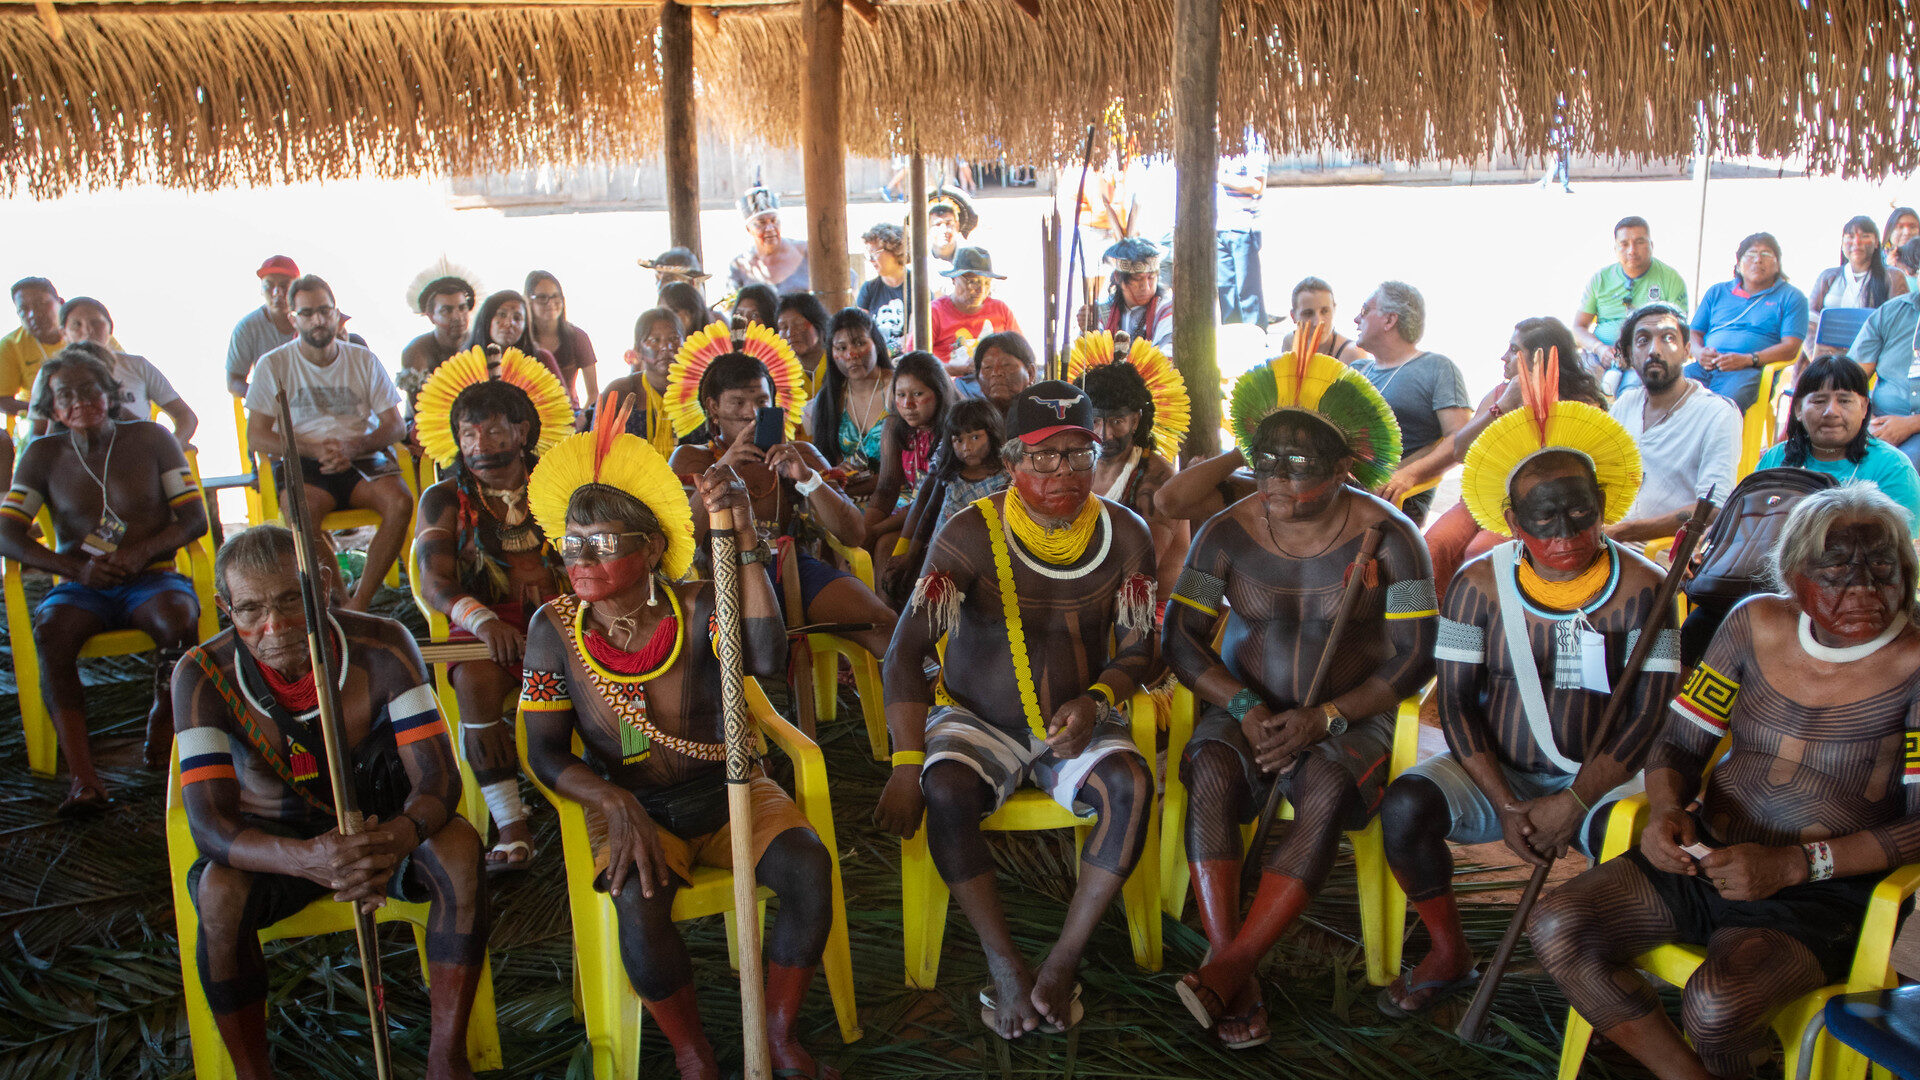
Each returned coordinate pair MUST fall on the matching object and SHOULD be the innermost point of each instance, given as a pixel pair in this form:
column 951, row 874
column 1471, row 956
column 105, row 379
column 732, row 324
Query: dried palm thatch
column 231, row 94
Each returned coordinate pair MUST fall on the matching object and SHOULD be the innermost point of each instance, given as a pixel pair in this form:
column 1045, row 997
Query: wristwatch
column 758, row 553
column 1242, row 703
column 1336, row 721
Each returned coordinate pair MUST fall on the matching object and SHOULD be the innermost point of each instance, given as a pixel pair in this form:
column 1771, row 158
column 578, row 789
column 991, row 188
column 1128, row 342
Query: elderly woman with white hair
column 1818, row 798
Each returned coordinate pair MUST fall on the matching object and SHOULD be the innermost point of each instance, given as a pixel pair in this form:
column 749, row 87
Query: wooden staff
column 332, row 733
column 733, row 699
column 1473, row 1024
column 1069, row 318
column 1349, row 600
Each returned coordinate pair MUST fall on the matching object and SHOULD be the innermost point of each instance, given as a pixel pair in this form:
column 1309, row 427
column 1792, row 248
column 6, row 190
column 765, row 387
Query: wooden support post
column 922, row 257
column 678, row 129
column 1196, row 157
column 823, row 150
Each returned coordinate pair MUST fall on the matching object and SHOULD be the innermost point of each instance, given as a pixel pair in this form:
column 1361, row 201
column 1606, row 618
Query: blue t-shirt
column 1887, row 468
column 1748, row 324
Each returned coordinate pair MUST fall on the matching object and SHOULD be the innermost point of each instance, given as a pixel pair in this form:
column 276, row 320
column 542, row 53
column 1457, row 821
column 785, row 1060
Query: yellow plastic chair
column 258, row 492
column 1760, row 426
column 324, row 916
column 352, row 517
column 1383, row 906
column 1675, row 964
column 827, row 650
column 473, row 802
column 43, row 745
column 606, row 997
column 923, row 895
column 1417, row 489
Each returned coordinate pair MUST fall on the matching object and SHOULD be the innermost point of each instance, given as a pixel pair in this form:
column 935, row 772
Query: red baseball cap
column 279, row 264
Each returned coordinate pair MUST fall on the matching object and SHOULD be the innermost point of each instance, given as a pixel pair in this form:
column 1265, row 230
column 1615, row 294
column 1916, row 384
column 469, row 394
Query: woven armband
column 1412, row 600
column 543, row 691
column 1707, row 700
column 1462, row 643
column 1665, row 654
column 1199, row 590
column 21, row 504
column 470, row 615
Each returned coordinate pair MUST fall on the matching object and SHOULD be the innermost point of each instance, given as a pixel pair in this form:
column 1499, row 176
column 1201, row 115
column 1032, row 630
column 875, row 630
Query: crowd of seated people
column 1042, row 529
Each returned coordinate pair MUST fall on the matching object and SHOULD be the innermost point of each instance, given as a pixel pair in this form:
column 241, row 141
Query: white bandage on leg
column 503, row 802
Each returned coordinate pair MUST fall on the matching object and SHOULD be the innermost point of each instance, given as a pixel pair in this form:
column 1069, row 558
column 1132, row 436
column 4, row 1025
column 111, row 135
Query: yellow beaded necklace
column 1565, row 595
column 1057, row 546
column 1010, row 611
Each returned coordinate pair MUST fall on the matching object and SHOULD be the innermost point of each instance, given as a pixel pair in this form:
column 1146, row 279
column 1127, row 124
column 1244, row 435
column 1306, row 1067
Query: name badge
column 1593, row 662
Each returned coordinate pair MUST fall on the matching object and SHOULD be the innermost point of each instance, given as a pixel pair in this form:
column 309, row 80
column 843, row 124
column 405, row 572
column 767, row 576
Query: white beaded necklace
column 1852, row 652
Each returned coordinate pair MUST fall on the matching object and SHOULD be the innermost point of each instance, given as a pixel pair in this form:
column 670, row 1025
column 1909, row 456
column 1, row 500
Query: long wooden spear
column 1069, row 319
column 733, row 699
column 1474, row 1023
column 313, row 603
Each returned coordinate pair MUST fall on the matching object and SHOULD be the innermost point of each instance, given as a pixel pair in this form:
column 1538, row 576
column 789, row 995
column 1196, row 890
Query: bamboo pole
column 1703, row 170
column 1196, row 156
column 922, row 269
column 823, row 147
column 679, row 132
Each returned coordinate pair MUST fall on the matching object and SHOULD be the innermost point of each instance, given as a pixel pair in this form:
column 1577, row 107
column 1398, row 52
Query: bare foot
column 790, row 1059
column 1014, row 1014
column 84, row 799
column 1053, row 991
column 1245, row 1019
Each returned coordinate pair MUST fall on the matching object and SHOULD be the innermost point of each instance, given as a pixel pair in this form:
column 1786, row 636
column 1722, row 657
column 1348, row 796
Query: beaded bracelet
column 470, row 614
column 1819, row 860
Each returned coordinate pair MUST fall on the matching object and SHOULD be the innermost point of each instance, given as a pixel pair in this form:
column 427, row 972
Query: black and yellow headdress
column 1312, row 383
column 1172, row 410
column 433, row 410
column 610, row 457
column 703, row 347
column 1547, row 424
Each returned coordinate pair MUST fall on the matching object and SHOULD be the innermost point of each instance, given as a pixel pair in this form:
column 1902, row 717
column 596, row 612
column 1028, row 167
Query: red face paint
column 601, row 579
column 1852, row 590
column 1058, row 494
column 1564, row 553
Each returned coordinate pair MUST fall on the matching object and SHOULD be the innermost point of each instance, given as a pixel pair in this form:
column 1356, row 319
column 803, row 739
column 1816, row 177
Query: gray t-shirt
column 253, row 337
column 1417, row 390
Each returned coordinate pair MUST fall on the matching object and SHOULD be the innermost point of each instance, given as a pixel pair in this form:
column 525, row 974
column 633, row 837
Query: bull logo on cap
column 1058, row 405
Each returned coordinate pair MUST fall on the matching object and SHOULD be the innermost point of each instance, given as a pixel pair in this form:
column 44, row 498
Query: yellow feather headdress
column 433, row 408
column 609, row 456
column 1545, row 423
column 1308, row 380
column 1172, row 409
column 704, row 346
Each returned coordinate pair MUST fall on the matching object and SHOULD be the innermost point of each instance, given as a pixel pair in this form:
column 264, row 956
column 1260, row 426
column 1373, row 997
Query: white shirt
column 142, row 388
column 1694, row 449
column 343, row 400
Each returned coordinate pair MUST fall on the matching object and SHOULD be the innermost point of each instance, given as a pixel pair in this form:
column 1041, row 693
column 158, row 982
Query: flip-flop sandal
column 509, row 865
column 1190, row 988
column 1251, row 1041
column 85, row 803
column 1440, row 988
column 1075, row 1013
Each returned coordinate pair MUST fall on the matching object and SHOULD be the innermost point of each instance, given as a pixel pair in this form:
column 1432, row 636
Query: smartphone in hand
column 769, row 427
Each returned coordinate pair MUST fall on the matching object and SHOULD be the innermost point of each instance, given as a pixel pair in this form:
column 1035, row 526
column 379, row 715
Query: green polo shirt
column 1611, row 295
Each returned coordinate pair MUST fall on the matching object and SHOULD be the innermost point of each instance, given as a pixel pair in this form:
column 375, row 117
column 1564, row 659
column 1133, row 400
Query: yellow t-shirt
column 21, row 355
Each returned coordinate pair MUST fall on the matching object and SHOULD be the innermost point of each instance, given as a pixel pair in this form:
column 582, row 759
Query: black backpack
column 1732, row 561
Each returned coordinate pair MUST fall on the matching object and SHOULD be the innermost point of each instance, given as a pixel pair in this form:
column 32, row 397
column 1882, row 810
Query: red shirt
column 948, row 323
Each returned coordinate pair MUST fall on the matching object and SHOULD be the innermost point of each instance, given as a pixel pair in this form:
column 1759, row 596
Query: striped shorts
column 1007, row 759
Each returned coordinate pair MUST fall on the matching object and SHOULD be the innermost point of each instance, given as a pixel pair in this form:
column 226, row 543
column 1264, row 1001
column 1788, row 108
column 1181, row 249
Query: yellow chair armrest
column 403, row 457
column 1629, row 816
column 1144, row 718
column 437, row 625
column 18, row 615
column 859, row 563
column 809, row 765
column 1417, row 489
column 1180, row 721
column 1871, row 967
column 1406, row 734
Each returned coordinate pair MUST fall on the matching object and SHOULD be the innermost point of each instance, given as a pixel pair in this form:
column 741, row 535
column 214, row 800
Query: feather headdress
column 610, row 457
column 1545, row 423
column 1311, row 382
column 1172, row 410
column 441, row 268
column 704, row 346
column 433, row 409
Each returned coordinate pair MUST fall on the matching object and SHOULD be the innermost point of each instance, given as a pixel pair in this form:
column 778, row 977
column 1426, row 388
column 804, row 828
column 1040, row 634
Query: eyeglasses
column 1048, row 461
column 547, row 298
column 604, row 545
column 1267, row 464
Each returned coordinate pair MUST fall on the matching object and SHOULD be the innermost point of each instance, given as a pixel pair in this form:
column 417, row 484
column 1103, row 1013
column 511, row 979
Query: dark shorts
column 113, row 606
column 815, row 575
column 1363, row 752
column 281, row 896
column 1825, row 916
column 338, row 486
column 514, row 615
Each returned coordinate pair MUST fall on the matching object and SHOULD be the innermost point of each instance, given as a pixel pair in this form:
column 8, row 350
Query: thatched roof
column 231, row 91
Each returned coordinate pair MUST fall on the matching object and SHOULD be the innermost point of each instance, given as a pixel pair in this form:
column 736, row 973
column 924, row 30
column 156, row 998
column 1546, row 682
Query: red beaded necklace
column 649, row 656
column 296, row 696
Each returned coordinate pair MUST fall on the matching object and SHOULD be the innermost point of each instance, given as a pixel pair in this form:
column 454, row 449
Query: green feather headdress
column 1315, row 384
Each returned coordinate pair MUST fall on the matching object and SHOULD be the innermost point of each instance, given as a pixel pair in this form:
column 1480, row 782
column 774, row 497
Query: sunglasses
column 604, row 545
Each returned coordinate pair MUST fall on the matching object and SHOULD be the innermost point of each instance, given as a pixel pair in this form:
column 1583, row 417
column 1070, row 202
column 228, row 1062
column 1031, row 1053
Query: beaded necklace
column 1057, row 546
column 1564, row 595
column 1010, row 607
column 626, row 694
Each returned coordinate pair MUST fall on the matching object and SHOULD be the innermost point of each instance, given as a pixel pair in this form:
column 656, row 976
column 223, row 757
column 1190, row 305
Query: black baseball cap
column 1048, row 408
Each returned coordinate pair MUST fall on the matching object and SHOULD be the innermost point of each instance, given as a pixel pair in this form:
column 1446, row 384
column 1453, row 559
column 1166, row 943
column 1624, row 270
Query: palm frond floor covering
column 90, row 980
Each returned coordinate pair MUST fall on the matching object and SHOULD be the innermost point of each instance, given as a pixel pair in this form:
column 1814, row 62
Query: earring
column 652, row 600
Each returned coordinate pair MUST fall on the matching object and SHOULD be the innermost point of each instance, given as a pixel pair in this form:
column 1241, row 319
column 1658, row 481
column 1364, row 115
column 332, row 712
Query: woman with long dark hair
column 502, row 322
column 1862, row 280
column 922, row 394
column 551, row 330
column 802, row 320
column 850, row 406
column 686, row 302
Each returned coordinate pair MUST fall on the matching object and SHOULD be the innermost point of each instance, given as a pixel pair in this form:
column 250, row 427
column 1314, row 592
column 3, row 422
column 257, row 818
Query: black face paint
column 1852, row 588
column 1559, row 508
